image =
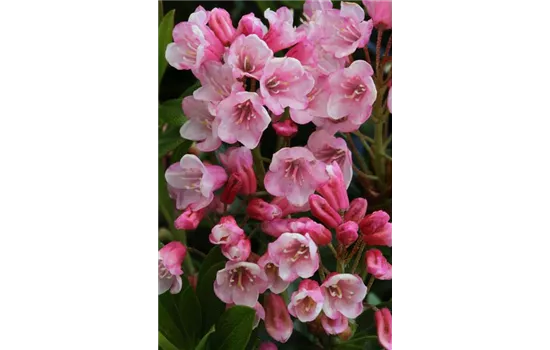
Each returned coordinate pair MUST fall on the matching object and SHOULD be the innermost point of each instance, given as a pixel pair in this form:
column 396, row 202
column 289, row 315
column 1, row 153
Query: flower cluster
column 253, row 76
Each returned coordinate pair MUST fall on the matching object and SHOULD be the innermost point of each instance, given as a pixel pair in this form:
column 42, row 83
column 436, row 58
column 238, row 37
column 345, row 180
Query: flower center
column 297, row 252
column 309, row 303
column 293, row 170
column 242, row 276
column 244, row 113
column 348, row 32
column 163, row 271
column 192, row 178
column 328, row 155
column 354, row 88
column 335, row 291
column 276, row 85
column 247, row 65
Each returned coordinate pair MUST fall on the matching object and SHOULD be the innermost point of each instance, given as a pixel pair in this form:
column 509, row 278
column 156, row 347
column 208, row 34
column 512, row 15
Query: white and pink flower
column 295, row 255
column 327, row 148
column 307, row 302
column 275, row 283
column 240, row 283
column 217, row 83
column 200, row 126
column 344, row 293
column 248, row 56
column 170, row 259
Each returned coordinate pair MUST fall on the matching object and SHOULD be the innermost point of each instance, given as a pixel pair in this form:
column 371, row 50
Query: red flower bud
column 221, row 25
column 285, row 128
column 189, row 220
column 357, row 210
column 262, row 211
column 323, row 211
column 232, row 187
column 346, row 233
column 376, row 229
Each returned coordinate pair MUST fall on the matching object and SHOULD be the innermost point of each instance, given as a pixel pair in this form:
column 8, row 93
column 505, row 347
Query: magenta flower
column 383, row 327
column 200, row 126
column 242, row 118
column 281, row 34
column 285, row 83
column 260, row 210
column 221, row 25
column 380, row 12
column 344, row 293
column 189, row 219
column 226, row 231
column 311, row 6
column 294, row 173
column 274, row 282
column 239, row 251
column 194, row 43
column 332, row 126
column 248, row 56
column 250, row 24
column 346, row 233
column 376, row 228
column 288, row 208
column 238, row 161
column 307, row 302
column 191, row 183
column 357, row 210
column 295, row 255
column 344, row 30
column 316, row 102
column 334, row 326
column 352, row 93
column 286, row 128
column 240, row 283
column 170, row 258
column 323, row 211
column 278, row 323
column 328, row 149
column 377, row 265
column 217, row 83
column 335, row 190
column 318, row 233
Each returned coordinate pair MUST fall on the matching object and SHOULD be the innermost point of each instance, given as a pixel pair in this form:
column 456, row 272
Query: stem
column 378, row 50
column 358, row 257
column 333, row 250
column 369, row 284
column 387, row 142
column 367, row 53
column 365, row 143
column 259, row 194
column 388, row 47
column 361, row 136
column 379, row 153
column 196, row 251
column 252, row 84
column 363, row 175
column 259, row 164
column 364, row 274
column 362, row 163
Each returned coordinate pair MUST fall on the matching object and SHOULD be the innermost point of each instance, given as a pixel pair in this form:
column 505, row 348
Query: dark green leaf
column 190, row 315
column 179, row 152
column 214, row 256
column 165, row 37
column 211, row 306
column 165, row 202
column 191, row 89
column 204, row 340
column 168, row 327
column 171, row 112
column 233, row 329
column 169, row 140
column 165, row 344
column 264, row 5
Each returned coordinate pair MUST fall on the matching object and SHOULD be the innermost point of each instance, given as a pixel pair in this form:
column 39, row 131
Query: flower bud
column 226, row 232
column 232, row 188
column 267, row 346
column 288, row 208
column 357, row 210
column 285, row 128
column 323, row 211
column 377, row 264
column 334, row 190
column 250, row 24
column 189, row 220
column 262, row 211
column 380, row 12
column 221, row 25
column 382, row 318
column 237, row 251
column 376, row 229
column 336, row 326
column 346, row 233
column 277, row 319
column 318, row 233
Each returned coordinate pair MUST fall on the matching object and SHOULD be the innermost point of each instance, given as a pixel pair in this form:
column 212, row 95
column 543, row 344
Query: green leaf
column 168, row 327
column 211, row 306
column 264, row 5
column 165, row 343
column 214, row 257
column 179, row 152
column 233, row 329
column 169, row 140
column 165, row 37
column 191, row 89
column 190, row 315
column 204, row 340
column 171, row 112
column 294, row 4
column 165, row 202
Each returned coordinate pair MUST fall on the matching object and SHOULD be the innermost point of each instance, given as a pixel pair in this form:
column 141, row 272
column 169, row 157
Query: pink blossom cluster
column 251, row 76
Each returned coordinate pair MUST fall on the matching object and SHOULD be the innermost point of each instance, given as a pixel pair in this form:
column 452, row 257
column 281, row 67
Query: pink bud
column 189, row 220
column 221, row 25
column 249, row 180
column 277, row 319
column 334, row 190
column 322, row 210
column 232, row 188
column 319, row 233
column 226, row 232
column 346, row 233
column 376, row 229
column 380, row 12
column 307, row 302
column 287, row 208
column 383, row 327
column 267, row 346
column 336, row 326
column 377, row 264
column 237, row 251
column 285, row 128
column 250, row 24
column 262, row 211
column 357, row 210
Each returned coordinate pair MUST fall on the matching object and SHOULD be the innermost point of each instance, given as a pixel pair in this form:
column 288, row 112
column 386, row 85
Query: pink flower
column 260, row 210
column 357, row 210
column 307, row 302
column 295, row 255
column 311, row 6
column 295, row 174
column 352, row 92
column 250, row 24
column 192, row 183
column 274, row 282
column 242, row 118
column 286, row 128
column 248, row 56
column 282, row 33
column 344, row 30
column 344, row 293
column 380, row 12
column 277, row 320
column 314, row 58
column 226, row 232
column 328, row 149
column 194, row 43
column 238, row 251
column 334, row 191
column 377, row 265
column 376, row 228
column 221, row 25
column 316, row 103
column 233, row 186
column 267, row 346
column 238, row 160
column 318, row 233
column 285, row 83
column 332, row 126
column 189, row 219
column 260, row 313
column 322, row 210
column 240, row 283
column 170, row 258
column 200, row 125
column 334, row 326
column 347, row 233
column 389, row 100
column 217, row 83
column 288, row 208
column 383, row 327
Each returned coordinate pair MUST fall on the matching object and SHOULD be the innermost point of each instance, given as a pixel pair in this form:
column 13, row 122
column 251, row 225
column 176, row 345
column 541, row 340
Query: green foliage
column 171, row 113
column 170, row 140
column 190, row 315
column 212, row 307
column 214, row 257
column 233, row 329
column 165, row 37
